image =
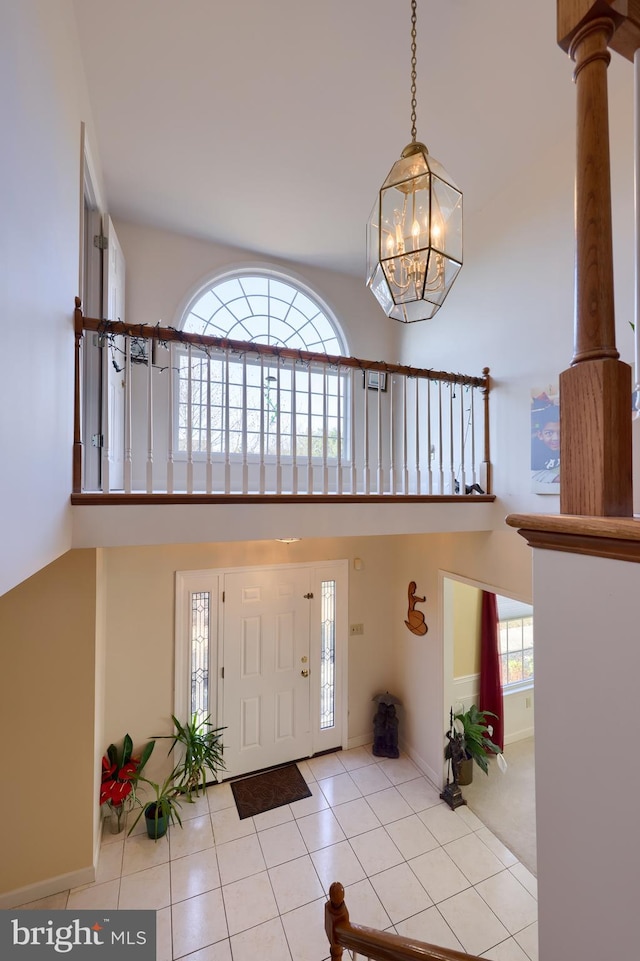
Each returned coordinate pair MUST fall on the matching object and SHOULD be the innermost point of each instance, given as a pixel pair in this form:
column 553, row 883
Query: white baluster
column 127, row 415
column 209, row 468
column 354, row 472
column 366, row 435
column 149, row 418
column 227, row 432
column 473, row 437
column 392, row 433
column 309, row 436
column 379, row 478
column 440, row 446
column 325, row 431
column 429, row 444
column 106, row 427
column 405, row 470
column 463, row 476
column 245, row 464
column 170, row 419
column 417, row 436
column 339, row 431
column 189, row 421
column 278, row 433
column 452, row 476
column 294, row 430
column 263, row 401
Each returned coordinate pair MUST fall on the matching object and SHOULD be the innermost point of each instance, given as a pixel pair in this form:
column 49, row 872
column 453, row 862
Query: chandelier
column 414, row 233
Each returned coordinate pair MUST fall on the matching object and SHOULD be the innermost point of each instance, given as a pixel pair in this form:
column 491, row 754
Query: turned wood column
column 595, row 392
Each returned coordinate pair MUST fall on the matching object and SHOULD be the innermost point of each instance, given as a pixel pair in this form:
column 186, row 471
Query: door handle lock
column 304, row 673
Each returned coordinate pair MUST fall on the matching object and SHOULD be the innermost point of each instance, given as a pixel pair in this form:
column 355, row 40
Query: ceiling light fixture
column 414, row 234
column 287, row 540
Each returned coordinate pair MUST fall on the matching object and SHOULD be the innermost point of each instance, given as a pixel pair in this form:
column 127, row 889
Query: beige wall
column 466, row 629
column 47, row 631
column 139, row 592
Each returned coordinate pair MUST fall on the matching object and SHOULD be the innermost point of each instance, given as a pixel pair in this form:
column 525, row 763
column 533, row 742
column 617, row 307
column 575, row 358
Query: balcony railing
column 164, row 413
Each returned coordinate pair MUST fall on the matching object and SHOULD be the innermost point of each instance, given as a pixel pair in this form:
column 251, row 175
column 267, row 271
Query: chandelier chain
column 413, row 71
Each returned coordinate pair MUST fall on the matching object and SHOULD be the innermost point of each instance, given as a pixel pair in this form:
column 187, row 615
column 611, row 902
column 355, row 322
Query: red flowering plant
column 120, row 773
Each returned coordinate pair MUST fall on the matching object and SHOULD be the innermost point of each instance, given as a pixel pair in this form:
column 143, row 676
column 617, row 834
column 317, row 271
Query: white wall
column 511, row 308
column 587, row 665
column 41, row 108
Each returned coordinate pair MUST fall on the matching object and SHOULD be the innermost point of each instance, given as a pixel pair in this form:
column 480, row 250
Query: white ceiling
column 270, row 124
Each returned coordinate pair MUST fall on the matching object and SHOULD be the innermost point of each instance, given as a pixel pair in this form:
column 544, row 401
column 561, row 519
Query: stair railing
column 374, row 944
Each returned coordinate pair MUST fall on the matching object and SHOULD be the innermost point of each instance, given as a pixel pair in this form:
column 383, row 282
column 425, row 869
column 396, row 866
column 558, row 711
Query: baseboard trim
column 431, row 775
column 519, row 735
column 43, row 889
column 361, row 741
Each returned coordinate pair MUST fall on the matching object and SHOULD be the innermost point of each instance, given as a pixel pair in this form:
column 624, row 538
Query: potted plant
column 469, row 740
column 202, row 751
column 163, row 809
column 120, row 772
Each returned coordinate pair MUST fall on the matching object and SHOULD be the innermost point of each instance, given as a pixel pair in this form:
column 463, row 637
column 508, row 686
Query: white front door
column 266, row 668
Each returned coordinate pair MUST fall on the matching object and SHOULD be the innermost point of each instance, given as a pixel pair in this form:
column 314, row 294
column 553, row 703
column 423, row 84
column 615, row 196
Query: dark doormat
column 271, row 789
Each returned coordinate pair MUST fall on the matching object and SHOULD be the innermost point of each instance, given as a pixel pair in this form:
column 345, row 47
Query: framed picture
column 545, row 440
column 374, row 379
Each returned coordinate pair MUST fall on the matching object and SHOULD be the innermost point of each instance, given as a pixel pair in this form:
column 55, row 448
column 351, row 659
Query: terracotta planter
column 465, row 775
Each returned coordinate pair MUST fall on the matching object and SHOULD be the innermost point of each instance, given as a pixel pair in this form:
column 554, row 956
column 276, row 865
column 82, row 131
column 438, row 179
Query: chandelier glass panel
column 414, row 234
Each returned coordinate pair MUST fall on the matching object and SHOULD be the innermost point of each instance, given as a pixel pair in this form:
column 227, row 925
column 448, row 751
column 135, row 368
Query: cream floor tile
column 164, row 945
column 266, row 941
column 399, row 769
column 357, row 757
column 240, row 858
column 339, row 789
column 249, row 902
column 319, row 830
column 375, row 851
column 443, row 823
column 469, row 818
column 269, row 819
column 304, row 928
column 150, row 889
column 473, row 922
column 370, row 779
column 198, row 922
column 110, row 862
column 337, row 863
column 295, row 883
column 508, row 950
column 327, row 765
column 431, row 927
column 411, row 837
column 474, row 858
column 305, row 770
column 419, row 794
column 509, row 900
column 196, row 834
column 526, row 878
column 196, row 808
column 141, row 853
column 498, row 848
column 227, row 826
column 310, row 805
column 366, row 905
column 102, row 896
column 438, row 875
column 282, row 843
column 389, row 805
column 356, row 817
column 220, row 951
column 194, row 874
column 400, row 892
column 528, row 941
column 220, row 797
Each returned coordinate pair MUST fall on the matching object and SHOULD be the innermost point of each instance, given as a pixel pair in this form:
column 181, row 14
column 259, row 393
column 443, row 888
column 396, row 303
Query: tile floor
column 232, row 890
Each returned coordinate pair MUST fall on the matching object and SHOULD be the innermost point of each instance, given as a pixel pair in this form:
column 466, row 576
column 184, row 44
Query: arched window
column 257, row 405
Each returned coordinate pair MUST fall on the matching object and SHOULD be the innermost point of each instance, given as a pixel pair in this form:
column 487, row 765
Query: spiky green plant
column 202, row 752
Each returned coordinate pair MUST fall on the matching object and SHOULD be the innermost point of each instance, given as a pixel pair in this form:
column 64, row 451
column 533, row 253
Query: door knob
column 304, row 673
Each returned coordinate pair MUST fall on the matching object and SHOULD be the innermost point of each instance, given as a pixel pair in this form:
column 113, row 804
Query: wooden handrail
column 171, row 335
column 372, row 943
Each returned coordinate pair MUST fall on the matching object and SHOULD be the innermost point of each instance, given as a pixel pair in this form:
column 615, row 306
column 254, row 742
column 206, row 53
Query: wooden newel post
column 595, row 392
column 335, row 912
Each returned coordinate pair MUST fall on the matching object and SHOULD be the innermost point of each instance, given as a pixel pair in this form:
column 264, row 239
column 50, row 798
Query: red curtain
column 490, row 684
